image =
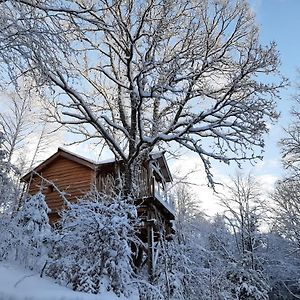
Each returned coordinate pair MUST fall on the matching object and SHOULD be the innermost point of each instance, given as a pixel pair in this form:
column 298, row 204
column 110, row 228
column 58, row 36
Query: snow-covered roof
column 77, row 155
column 64, row 153
column 159, row 156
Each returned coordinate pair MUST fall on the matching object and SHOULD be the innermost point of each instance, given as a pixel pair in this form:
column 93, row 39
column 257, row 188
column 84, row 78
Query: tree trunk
column 128, row 183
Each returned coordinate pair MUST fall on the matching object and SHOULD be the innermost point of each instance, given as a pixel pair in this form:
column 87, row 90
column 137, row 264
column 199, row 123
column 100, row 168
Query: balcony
column 152, row 189
column 156, row 191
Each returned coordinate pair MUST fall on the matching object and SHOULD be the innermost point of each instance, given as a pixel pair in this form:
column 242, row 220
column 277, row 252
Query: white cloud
column 190, row 169
column 267, row 182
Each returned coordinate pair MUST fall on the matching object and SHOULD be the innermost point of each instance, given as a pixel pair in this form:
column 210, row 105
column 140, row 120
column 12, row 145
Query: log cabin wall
column 74, row 175
column 70, row 177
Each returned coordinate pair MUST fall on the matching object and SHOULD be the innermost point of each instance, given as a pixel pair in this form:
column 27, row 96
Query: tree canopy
column 140, row 75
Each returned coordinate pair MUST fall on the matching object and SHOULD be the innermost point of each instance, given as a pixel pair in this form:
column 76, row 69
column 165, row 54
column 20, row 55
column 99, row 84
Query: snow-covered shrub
column 246, row 284
column 183, row 268
column 202, row 263
column 27, row 235
column 282, row 266
column 94, row 244
column 33, row 221
column 176, row 272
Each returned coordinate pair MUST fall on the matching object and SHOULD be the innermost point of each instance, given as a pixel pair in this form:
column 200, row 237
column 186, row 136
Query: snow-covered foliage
column 206, row 265
column 282, row 266
column 286, row 209
column 36, row 231
column 175, row 72
column 290, row 143
column 204, row 262
column 27, row 235
column 91, row 251
column 244, row 208
column 8, row 188
column 94, row 244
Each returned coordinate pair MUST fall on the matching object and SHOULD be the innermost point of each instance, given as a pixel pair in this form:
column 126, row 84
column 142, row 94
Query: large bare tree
column 138, row 75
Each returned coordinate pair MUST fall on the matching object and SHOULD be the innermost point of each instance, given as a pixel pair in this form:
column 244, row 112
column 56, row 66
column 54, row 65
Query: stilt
column 150, row 249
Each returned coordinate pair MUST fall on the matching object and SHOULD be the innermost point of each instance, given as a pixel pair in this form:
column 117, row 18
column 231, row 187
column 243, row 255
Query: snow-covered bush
column 180, row 276
column 94, row 244
column 27, row 236
column 245, row 284
column 33, row 221
column 282, row 265
column 202, row 263
column 183, row 270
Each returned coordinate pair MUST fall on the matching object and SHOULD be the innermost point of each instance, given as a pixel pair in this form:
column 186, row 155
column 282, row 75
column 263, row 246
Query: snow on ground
column 20, row 284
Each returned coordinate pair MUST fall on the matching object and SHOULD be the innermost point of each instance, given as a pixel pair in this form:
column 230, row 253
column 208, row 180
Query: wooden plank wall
column 106, row 180
column 70, row 177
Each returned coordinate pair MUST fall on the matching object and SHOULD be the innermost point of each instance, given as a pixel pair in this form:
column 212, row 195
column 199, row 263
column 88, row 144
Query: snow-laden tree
column 244, row 208
column 202, row 261
column 282, row 266
column 286, row 210
column 93, row 247
column 26, row 238
column 25, row 127
column 243, row 214
column 16, row 122
column 206, row 264
column 33, row 223
column 8, row 188
column 157, row 73
column 187, row 208
column 290, row 143
column 232, row 277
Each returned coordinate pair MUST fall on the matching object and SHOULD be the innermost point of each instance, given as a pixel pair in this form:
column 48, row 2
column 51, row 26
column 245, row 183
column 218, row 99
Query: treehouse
column 75, row 175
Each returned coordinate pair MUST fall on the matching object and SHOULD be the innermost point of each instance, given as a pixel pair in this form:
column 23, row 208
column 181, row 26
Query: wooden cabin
column 75, row 175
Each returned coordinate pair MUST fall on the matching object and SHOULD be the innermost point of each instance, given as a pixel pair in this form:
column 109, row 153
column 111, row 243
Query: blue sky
column 279, row 21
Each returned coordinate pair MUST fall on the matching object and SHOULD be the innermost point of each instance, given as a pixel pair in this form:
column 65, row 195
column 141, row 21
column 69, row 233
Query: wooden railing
column 147, row 188
column 160, row 193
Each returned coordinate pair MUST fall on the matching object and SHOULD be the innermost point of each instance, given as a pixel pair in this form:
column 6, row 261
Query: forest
column 129, row 78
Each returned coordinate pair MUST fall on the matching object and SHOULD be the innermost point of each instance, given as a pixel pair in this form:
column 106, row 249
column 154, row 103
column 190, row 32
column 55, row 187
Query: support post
column 150, row 252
